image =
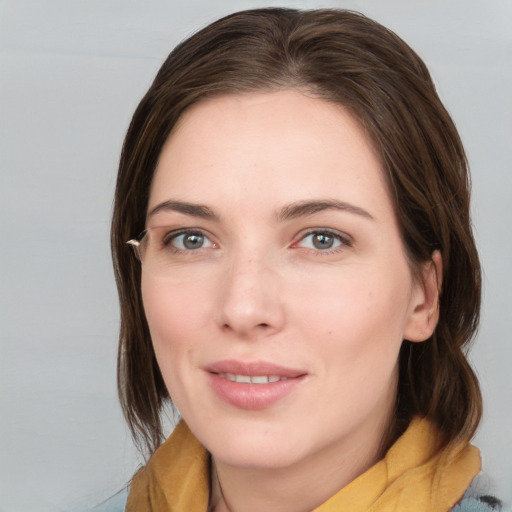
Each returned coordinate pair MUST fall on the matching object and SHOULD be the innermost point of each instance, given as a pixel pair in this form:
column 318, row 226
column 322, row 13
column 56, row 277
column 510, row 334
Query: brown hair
column 348, row 59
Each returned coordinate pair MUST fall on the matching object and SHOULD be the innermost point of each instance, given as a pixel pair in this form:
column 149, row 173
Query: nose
column 250, row 302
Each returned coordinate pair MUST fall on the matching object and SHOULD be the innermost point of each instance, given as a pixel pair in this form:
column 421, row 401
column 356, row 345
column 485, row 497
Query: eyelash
column 173, row 235
column 344, row 240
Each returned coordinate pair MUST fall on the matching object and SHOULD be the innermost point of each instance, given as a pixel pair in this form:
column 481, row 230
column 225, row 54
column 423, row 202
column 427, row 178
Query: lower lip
column 252, row 396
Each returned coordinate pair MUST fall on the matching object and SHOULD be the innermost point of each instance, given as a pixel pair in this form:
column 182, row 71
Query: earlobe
column 424, row 313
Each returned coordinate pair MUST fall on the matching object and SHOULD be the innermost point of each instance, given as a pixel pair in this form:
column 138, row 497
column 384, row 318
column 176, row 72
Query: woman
column 308, row 281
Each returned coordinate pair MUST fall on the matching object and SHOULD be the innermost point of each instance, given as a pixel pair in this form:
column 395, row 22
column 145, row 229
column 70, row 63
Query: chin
column 250, row 444
column 260, row 456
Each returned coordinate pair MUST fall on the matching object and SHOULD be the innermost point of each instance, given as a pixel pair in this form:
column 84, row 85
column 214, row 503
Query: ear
column 424, row 313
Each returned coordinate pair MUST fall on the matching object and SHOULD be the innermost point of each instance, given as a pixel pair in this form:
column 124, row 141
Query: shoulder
column 480, row 504
column 477, row 498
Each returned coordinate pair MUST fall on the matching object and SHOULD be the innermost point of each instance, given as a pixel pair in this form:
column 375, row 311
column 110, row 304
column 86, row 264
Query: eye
column 189, row 241
column 323, row 240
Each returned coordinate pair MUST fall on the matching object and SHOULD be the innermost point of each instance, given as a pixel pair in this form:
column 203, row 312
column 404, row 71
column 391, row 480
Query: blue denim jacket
column 481, row 504
column 469, row 503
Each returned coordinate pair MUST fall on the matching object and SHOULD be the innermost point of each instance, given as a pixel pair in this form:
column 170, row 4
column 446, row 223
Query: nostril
column 262, row 325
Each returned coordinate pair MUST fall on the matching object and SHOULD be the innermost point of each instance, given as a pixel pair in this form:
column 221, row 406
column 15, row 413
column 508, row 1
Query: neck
column 302, row 486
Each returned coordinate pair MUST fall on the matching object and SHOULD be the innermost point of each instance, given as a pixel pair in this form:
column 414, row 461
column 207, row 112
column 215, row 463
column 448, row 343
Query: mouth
column 232, row 369
column 255, row 385
column 251, row 379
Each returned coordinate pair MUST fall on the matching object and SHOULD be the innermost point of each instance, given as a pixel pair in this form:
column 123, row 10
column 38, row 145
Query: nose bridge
column 250, row 301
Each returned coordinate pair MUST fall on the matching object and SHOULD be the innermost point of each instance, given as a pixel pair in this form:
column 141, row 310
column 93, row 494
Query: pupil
column 193, row 241
column 322, row 241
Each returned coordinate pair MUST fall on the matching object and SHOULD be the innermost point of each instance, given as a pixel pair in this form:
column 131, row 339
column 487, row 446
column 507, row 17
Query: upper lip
column 253, row 369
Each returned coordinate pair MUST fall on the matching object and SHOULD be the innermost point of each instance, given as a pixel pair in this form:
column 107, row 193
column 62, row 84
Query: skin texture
column 259, row 290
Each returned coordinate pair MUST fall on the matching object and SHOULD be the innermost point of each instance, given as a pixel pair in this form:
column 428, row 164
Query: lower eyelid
column 173, row 235
column 344, row 240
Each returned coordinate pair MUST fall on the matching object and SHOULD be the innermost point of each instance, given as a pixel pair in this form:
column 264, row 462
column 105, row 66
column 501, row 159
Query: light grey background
column 71, row 74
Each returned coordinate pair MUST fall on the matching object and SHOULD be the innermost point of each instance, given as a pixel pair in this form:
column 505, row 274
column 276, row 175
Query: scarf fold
column 414, row 475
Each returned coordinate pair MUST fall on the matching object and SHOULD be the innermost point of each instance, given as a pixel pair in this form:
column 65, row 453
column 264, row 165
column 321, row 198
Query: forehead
column 284, row 145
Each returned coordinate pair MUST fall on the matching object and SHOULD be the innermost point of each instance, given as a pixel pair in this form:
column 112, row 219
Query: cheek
column 357, row 300
column 357, row 321
column 175, row 315
column 174, row 308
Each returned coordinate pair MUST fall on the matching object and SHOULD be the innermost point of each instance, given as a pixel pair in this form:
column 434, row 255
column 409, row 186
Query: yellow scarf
column 413, row 476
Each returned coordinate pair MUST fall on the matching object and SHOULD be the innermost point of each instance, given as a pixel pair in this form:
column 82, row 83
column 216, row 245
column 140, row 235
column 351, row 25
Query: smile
column 253, row 385
column 251, row 379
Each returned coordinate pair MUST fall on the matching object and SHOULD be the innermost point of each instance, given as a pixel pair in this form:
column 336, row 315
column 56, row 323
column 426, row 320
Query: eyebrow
column 306, row 208
column 288, row 212
column 194, row 210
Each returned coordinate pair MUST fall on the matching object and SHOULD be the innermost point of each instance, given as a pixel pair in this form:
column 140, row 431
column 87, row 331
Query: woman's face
column 284, row 293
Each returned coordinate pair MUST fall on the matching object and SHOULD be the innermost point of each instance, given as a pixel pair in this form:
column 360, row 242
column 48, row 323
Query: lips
column 253, row 369
column 251, row 379
column 254, row 385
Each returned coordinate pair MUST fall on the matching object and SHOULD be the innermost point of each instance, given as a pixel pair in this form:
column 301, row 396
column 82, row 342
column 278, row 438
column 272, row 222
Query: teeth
column 255, row 379
column 260, row 380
